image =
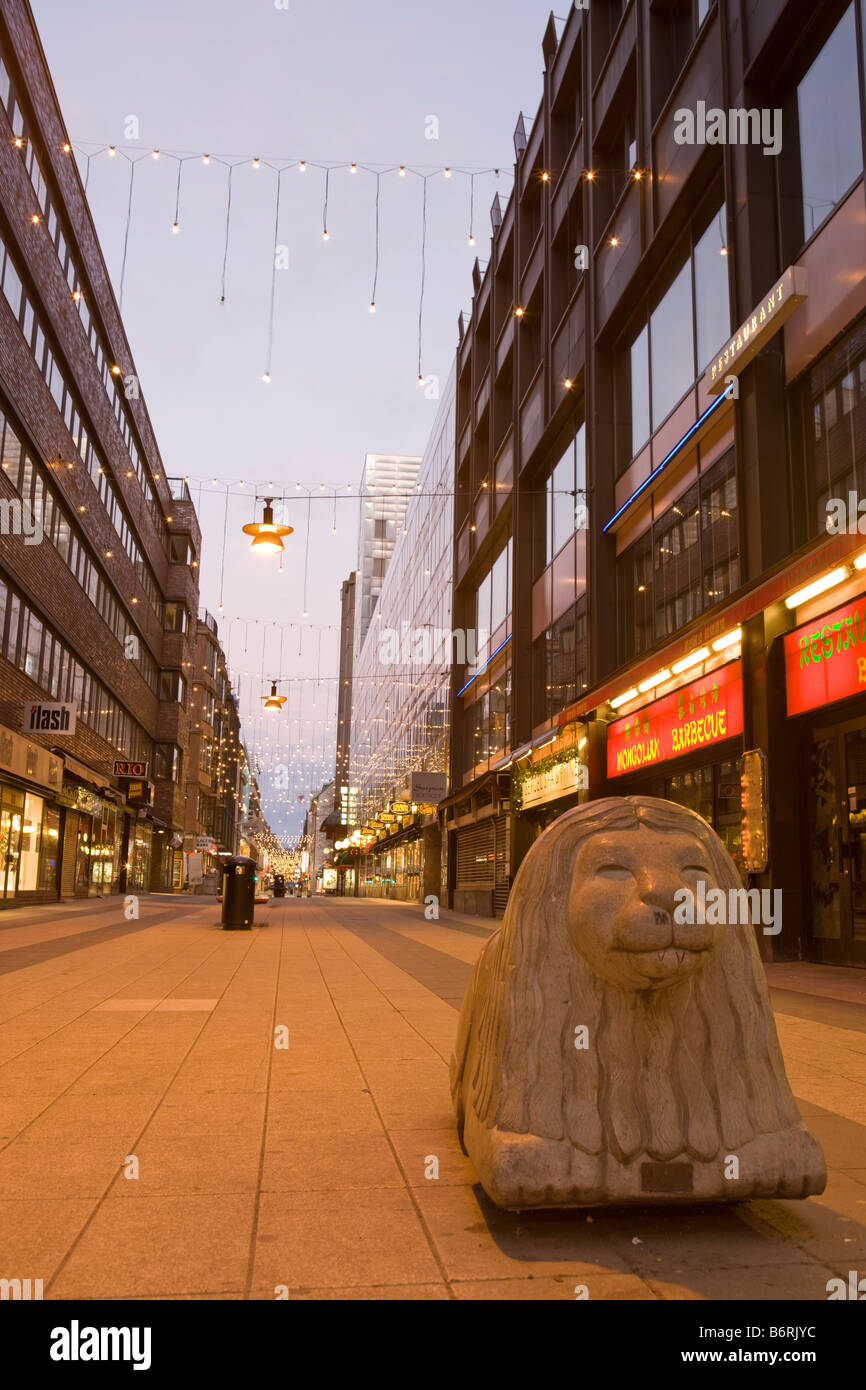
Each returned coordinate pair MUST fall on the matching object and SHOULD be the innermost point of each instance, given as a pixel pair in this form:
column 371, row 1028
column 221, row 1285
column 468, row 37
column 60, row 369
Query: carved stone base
column 521, row 1171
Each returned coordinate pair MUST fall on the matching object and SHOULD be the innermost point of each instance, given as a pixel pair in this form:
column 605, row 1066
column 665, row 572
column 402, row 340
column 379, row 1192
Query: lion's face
column 621, row 907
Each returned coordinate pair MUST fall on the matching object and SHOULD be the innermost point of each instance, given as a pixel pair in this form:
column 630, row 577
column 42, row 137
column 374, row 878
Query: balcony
column 179, row 490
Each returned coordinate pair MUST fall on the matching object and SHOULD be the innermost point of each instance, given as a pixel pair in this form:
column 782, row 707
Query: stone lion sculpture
column 607, row 1054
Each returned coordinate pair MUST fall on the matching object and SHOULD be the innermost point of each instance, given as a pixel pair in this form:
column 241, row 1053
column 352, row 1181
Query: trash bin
column 279, row 886
column 239, row 893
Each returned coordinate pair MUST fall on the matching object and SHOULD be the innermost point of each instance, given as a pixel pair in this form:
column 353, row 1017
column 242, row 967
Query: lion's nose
column 658, row 891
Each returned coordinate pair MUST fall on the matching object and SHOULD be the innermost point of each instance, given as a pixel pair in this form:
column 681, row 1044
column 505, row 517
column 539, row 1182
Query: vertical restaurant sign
column 706, row 712
column 825, row 660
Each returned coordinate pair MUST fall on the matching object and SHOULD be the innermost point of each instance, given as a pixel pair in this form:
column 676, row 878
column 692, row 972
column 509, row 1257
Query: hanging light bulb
column 267, row 535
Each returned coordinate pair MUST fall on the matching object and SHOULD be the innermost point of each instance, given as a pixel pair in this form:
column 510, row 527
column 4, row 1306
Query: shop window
column 828, row 116
column 49, row 848
column 31, row 830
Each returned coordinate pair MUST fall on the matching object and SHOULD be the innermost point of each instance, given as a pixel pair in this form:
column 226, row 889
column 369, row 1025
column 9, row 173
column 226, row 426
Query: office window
column 687, row 325
column 712, row 301
column 172, row 686
column 828, row 116
column 671, row 347
column 640, row 398
column 566, row 496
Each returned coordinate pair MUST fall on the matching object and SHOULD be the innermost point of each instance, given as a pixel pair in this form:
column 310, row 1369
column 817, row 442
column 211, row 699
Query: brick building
column 661, row 397
column 99, row 551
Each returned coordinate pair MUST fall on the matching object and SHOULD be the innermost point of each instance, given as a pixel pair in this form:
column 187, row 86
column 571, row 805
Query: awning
column 84, row 773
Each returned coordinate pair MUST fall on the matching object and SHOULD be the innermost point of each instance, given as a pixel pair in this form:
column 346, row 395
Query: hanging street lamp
column 274, row 701
column 267, row 535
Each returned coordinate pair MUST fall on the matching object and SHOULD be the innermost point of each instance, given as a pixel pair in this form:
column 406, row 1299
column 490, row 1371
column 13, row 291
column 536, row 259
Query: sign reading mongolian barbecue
column 706, row 712
column 825, row 660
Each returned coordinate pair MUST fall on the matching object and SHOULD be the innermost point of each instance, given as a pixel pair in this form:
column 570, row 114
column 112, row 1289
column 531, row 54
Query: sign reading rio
column 705, row 712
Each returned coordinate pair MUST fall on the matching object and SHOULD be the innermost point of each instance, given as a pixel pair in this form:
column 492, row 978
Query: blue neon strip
column 666, row 460
column 486, row 664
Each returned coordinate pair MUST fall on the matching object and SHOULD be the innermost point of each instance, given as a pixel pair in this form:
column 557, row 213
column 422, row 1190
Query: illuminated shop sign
column 566, row 777
column 698, row 715
column 760, row 325
column 825, row 660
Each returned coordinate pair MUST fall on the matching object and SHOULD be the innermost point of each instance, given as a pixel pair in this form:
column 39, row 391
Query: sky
column 288, row 81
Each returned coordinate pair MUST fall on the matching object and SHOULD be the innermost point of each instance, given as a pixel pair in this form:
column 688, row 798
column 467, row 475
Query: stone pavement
column 148, row 1046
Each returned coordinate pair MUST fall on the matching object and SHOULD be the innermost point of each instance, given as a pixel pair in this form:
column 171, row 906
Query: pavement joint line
column 404, row 1017
column 101, row 1199
column 409, row 1189
column 409, row 942
column 254, row 1227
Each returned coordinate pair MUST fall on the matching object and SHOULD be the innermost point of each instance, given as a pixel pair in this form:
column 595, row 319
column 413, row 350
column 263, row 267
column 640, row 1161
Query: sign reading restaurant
column 706, row 712
column 760, row 325
column 825, row 660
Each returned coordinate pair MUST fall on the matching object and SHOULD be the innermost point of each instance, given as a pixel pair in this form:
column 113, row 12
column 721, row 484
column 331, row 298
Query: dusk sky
column 328, row 84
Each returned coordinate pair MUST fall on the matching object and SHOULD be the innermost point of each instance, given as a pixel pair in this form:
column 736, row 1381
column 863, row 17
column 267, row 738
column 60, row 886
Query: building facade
column 401, row 677
column 218, row 776
column 98, row 552
column 661, row 407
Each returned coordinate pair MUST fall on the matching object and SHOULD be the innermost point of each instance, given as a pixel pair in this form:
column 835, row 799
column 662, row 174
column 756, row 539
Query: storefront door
column 836, row 793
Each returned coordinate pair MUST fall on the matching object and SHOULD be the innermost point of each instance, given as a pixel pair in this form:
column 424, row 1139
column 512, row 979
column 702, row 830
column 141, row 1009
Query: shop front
column 687, row 747
column 30, row 821
column 549, row 780
column 479, row 823
column 825, row 690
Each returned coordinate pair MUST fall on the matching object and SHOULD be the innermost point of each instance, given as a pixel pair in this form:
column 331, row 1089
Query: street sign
column 49, row 718
column 130, row 769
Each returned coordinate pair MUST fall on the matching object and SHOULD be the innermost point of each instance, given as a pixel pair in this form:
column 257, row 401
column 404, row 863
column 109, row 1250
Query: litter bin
column 239, row 893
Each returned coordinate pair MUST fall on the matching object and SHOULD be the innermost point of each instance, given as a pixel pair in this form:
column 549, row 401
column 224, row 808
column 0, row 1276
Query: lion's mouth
column 667, row 960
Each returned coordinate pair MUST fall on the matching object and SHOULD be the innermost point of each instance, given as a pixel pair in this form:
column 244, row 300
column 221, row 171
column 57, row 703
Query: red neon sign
column 825, row 660
column 706, row 712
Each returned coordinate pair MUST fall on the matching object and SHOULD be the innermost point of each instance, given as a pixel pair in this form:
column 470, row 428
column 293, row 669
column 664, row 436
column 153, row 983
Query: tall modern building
column 401, row 678
column 661, row 410
column 98, row 553
column 386, row 484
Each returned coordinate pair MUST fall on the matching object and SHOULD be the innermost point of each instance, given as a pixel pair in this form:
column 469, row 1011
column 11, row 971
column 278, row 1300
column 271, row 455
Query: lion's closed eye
column 615, row 871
